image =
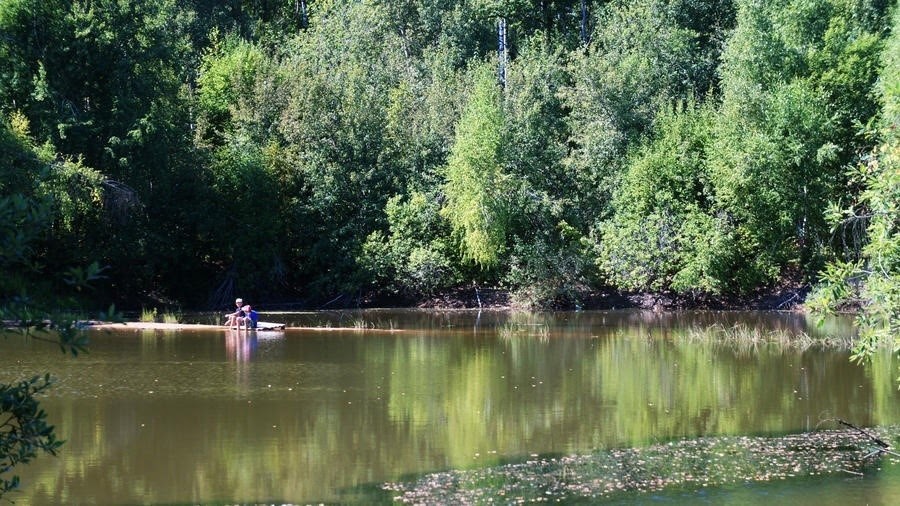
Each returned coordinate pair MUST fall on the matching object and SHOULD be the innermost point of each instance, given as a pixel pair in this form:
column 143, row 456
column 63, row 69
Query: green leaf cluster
column 24, row 431
column 868, row 278
column 476, row 185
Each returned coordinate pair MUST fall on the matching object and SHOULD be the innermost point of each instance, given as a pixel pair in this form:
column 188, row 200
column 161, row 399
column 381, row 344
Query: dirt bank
column 789, row 297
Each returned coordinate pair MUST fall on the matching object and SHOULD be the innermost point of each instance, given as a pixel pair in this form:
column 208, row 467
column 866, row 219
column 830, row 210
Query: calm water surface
column 301, row 416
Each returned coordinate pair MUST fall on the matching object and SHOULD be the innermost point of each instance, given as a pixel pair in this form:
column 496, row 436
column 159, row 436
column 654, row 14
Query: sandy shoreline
column 200, row 326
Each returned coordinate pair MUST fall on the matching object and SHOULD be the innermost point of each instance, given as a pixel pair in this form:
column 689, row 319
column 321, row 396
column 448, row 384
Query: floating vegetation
column 361, row 324
column 686, row 464
column 745, row 336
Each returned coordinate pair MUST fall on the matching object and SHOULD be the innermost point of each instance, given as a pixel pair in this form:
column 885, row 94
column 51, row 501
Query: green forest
column 182, row 152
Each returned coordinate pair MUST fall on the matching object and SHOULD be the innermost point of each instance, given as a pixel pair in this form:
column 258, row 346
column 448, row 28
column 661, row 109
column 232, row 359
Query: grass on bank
column 153, row 316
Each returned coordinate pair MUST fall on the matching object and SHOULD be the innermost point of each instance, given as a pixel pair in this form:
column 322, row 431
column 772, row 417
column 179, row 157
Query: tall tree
column 545, row 261
column 103, row 82
column 331, row 127
column 870, row 280
column 666, row 232
column 476, row 185
column 780, row 147
column 639, row 60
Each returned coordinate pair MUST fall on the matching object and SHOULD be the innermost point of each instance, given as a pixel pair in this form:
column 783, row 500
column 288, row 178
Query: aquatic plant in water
column 743, row 336
column 689, row 463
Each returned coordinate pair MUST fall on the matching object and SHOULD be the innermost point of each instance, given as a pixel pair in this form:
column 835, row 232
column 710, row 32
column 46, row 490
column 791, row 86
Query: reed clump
column 153, row 316
column 148, row 315
column 746, row 336
column 508, row 331
column 171, row 317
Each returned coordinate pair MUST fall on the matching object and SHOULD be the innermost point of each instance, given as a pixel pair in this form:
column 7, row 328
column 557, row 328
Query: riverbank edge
column 134, row 325
column 788, row 298
column 785, row 298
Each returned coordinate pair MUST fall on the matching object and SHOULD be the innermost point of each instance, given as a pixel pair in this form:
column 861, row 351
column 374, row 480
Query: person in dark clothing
column 250, row 319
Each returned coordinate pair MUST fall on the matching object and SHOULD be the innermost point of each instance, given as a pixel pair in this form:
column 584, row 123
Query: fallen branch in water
column 885, row 448
column 873, row 438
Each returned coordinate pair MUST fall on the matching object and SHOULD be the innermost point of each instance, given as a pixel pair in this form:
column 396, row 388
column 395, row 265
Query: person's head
column 246, row 309
column 238, row 302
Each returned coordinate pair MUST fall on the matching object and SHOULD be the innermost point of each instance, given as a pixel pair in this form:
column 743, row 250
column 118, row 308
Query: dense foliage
column 309, row 150
column 867, row 271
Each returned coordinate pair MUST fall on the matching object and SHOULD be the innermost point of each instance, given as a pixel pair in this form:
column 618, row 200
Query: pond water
column 307, row 416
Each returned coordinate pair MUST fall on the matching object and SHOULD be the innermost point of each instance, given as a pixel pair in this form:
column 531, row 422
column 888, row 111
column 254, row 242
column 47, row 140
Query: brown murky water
column 303, row 416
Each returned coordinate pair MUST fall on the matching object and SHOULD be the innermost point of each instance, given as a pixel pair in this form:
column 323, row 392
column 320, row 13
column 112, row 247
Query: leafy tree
column 779, row 145
column 247, row 184
column 773, row 168
column 552, row 269
column 555, row 21
column 331, row 129
column 666, row 232
column 415, row 255
column 102, row 85
column 546, row 261
column 476, row 187
column 88, row 75
column 710, row 23
column 228, row 74
column 535, row 132
column 48, row 207
column 423, row 24
column 421, row 116
column 25, row 215
column 640, row 58
column 872, row 281
column 242, row 182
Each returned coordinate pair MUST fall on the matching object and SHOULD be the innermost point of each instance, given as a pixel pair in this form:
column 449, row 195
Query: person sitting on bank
column 232, row 319
column 251, row 318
